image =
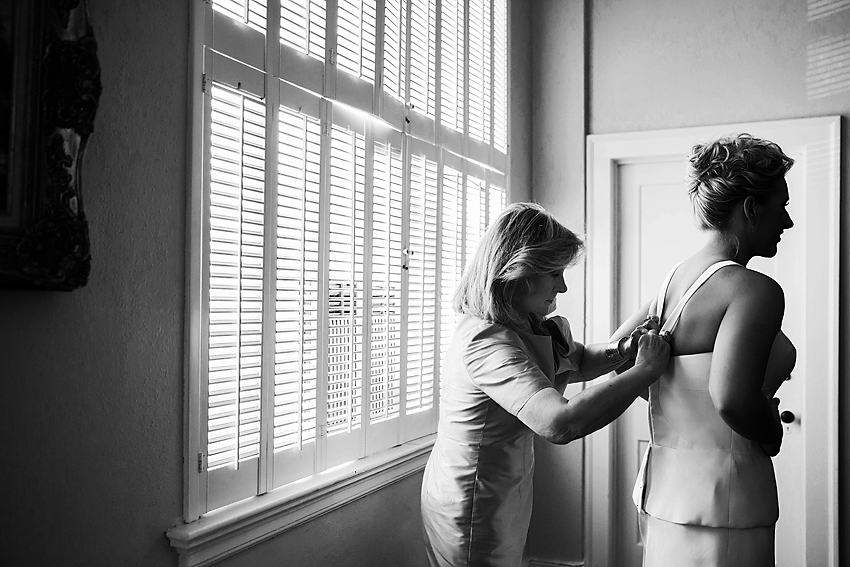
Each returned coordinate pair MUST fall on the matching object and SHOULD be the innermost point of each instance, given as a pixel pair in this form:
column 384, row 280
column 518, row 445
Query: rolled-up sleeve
column 502, row 369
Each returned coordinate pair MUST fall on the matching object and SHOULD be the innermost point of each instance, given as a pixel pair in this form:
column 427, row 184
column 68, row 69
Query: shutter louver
column 423, row 33
column 475, row 214
column 385, row 343
column 356, row 38
column 251, row 12
column 422, row 298
column 345, row 280
column 479, row 70
column 236, row 197
column 452, row 47
column 395, row 47
column 500, row 75
column 451, row 260
column 303, row 26
column 297, row 293
column 496, row 202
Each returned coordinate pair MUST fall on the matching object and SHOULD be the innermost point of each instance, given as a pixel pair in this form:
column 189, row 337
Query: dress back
column 697, row 470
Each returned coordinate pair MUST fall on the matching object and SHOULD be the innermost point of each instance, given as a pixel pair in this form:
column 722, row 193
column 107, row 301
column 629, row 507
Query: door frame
column 605, row 152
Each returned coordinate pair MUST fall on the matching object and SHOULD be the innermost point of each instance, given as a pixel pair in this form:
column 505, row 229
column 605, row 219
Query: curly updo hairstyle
column 729, row 169
column 524, row 241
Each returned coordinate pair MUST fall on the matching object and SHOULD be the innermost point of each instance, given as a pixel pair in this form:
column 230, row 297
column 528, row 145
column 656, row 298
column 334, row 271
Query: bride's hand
column 772, row 449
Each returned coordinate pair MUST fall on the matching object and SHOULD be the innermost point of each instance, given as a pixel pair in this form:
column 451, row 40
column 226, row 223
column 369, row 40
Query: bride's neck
column 719, row 247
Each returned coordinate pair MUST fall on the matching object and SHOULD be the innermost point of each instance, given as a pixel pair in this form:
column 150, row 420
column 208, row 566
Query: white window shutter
column 356, row 38
column 479, row 70
column 423, row 73
column 386, row 293
column 297, row 294
column 395, row 48
column 332, row 245
column 496, row 201
column 303, row 43
column 500, row 76
column 422, row 286
column 452, row 249
column 303, row 26
column 236, row 194
column 345, row 294
column 249, row 12
column 452, row 49
column 475, row 215
column 423, row 40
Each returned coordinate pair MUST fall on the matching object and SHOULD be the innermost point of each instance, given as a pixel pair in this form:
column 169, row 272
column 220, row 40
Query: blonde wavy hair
column 524, row 241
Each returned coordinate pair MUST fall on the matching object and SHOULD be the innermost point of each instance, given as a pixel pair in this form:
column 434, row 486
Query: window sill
column 233, row 528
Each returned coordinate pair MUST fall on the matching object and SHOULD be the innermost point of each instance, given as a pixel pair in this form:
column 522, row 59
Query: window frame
column 206, row 537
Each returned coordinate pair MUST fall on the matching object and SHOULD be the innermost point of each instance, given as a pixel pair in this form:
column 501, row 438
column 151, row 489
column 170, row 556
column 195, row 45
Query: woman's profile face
column 543, row 289
column 773, row 220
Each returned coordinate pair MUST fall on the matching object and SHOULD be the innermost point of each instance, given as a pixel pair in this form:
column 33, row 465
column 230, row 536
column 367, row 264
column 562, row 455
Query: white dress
column 706, row 495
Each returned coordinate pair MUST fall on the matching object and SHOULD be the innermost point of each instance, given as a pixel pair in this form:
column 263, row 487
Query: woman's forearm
column 591, row 409
column 595, row 362
column 597, row 406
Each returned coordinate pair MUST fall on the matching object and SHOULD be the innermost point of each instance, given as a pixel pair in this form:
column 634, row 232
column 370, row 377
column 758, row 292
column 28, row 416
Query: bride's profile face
column 773, row 220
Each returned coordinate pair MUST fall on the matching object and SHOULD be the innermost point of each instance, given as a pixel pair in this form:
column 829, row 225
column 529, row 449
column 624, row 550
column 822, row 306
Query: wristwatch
column 614, row 352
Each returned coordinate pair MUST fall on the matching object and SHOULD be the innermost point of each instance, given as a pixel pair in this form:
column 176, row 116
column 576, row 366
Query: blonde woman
column 503, row 380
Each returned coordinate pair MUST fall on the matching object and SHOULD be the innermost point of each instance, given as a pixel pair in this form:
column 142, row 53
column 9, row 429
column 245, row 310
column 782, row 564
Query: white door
column 649, row 226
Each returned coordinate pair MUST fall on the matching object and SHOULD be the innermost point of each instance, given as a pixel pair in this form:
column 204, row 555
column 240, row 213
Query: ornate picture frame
column 49, row 92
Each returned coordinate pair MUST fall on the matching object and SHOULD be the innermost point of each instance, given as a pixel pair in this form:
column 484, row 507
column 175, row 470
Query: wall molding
column 231, row 529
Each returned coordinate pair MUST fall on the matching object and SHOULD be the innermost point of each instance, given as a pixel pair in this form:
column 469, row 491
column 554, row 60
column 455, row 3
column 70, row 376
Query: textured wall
column 91, row 381
column 91, row 387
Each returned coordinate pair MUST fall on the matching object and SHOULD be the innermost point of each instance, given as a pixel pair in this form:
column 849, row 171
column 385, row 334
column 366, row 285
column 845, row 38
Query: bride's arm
column 741, row 354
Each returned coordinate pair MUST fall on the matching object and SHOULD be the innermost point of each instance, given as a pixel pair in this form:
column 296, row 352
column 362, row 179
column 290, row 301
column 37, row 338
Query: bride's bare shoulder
column 748, row 285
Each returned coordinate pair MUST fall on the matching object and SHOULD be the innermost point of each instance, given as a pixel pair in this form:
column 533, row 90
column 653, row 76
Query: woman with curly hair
column 502, row 382
column 706, row 491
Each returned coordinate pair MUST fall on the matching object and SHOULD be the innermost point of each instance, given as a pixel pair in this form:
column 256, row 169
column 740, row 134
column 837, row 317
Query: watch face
column 613, row 353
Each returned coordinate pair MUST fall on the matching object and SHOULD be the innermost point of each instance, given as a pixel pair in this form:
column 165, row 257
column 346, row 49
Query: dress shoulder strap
column 673, row 319
column 656, row 308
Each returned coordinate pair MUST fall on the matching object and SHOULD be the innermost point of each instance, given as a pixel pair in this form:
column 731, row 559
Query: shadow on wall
column 828, row 56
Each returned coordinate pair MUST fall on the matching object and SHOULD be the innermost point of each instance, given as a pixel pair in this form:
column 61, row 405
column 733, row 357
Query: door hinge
column 202, row 462
column 325, row 128
column 332, row 56
column 322, row 429
column 204, row 83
